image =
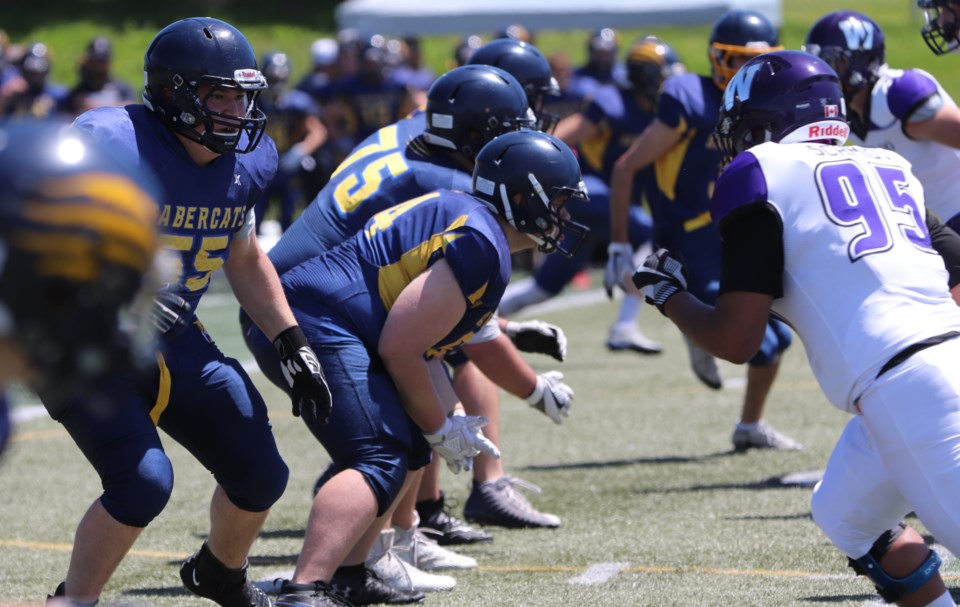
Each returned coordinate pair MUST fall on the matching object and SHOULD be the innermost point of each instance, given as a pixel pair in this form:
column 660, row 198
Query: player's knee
column 258, row 484
column 137, row 499
column 384, row 473
column 776, row 339
column 892, row 564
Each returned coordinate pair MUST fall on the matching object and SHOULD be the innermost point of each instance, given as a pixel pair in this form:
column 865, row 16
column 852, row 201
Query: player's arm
column 935, row 121
column 424, row 313
column 947, row 244
column 575, row 128
column 500, row 360
column 255, row 284
column 655, row 140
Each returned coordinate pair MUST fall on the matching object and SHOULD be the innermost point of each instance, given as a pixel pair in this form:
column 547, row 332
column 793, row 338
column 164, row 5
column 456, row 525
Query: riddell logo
column 821, row 131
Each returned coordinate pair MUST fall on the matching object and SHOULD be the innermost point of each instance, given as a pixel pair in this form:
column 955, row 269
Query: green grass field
column 656, row 508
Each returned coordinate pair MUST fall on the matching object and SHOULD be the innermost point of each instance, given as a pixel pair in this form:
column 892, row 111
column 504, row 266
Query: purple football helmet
column 941, row 27
column 853, row 45
column 783, row 96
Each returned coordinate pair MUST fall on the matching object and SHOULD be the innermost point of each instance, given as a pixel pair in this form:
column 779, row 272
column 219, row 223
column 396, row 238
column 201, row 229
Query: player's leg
column 123, row 446
column 625, row 331
column 860, row 509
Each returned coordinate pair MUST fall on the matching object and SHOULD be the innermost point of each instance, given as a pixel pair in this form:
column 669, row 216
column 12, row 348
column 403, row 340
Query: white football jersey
column 861, row 280
column 937, row 166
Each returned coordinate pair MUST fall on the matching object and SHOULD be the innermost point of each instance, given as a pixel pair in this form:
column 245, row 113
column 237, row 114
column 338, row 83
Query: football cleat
column 399, row 574
column 359, row 585
column 205, row 576
column 315, row 594
column 764, row 436
column 629, row 338
column 447, row 529
column 414, row 547
column 498, row 503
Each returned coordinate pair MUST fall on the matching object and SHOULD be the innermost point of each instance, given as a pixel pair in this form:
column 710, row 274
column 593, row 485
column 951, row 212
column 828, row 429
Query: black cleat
column 358, row 585
column 205, row 576
column 315, row 594
column 445, row 528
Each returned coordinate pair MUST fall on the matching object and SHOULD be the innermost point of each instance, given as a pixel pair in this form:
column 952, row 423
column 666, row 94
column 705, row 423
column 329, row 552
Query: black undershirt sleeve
column 752, row 251
column 947, row 243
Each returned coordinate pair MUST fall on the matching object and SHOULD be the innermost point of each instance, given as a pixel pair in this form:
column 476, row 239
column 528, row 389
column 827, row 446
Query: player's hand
column 619, row 266
column 538, row 336
column 308, row 387
column 170, row 313
column 660, row 277
column 459, row 440
column 551, row 396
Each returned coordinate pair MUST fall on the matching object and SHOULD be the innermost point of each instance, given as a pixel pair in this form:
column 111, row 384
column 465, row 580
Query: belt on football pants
column 909, row 351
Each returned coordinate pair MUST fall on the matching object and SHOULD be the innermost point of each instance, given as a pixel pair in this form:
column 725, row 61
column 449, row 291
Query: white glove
column 551, row 396
column 619, row 266
column 660, row 277
column 459, row 440
column 538, row 336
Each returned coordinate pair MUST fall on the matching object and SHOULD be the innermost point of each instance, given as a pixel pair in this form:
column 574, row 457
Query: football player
column 602, row 132
column 677, row 143
column 800, row 214
column 383, row 308
column 941, row 28
column 906, row 111
column 201, row 131
column 78, row 235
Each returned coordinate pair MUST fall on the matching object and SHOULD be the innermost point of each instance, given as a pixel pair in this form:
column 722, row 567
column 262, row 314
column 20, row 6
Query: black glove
column 539, row 337
column 660, row 278
column 308, row 387
column 170, row 313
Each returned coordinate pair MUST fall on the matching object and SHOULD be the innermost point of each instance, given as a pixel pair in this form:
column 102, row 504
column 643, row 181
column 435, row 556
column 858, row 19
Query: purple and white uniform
column 861, row 283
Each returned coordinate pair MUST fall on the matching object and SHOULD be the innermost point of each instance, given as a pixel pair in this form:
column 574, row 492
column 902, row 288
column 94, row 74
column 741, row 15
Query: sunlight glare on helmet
column 70, row 150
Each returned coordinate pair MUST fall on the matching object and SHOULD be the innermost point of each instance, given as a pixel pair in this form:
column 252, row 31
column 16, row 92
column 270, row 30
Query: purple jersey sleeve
column 908, row 92
column 741, row 184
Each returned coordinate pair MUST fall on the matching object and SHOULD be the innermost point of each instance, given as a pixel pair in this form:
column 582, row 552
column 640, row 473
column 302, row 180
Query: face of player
column 224, row 101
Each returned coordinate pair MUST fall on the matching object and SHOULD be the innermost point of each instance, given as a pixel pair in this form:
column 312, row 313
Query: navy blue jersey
column 204, row 207
column 356, row 283
column 285, row 114
column 619, row 120
column 389, row 167
column 685, row 174
column 369, row 106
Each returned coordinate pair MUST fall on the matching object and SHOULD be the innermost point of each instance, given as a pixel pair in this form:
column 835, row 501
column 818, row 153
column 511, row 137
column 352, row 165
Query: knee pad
column 889, row 588
column 256, row 488
column 136, row 499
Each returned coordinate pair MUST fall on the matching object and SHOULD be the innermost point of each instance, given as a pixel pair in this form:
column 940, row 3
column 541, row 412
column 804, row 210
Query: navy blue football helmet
column 739, row 33
column 470, row 105
column 602, row 48
column 941, row 26
column 527, row 64
column 783, row 96
column 852, row 44
column 78, row 234
column 202, row 51
column 649, row 62
column 519, row 175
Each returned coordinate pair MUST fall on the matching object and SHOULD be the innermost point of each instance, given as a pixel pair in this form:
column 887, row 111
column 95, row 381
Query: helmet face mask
column 470, row 105
column 192, row 59
column 784, row 96
column 941, row 27
column 739, row 35
column 852, row 44
column 527, row 178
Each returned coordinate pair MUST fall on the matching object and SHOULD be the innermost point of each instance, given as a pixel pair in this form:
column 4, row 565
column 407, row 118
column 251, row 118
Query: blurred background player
column 906, row 111
column 294, row 124
column 678, row 145
column 514, row 31
column 602, row 132
column 411, row 71
column 201, row 132
column 941, row 27
column 29, row 93
column 78, row 230
column 602, row 68
column 96, row 86
column 465, row 48
column 782, row 117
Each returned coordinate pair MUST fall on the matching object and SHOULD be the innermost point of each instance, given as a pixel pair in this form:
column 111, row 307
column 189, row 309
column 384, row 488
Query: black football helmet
column 77, row 238
column 649, row 62
column 739, row 33
column 784, row 96
column 470, row 105
column 198, row 51
column 941, row 25
column 852, row 44
column 527, row 64
column 519, row 175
